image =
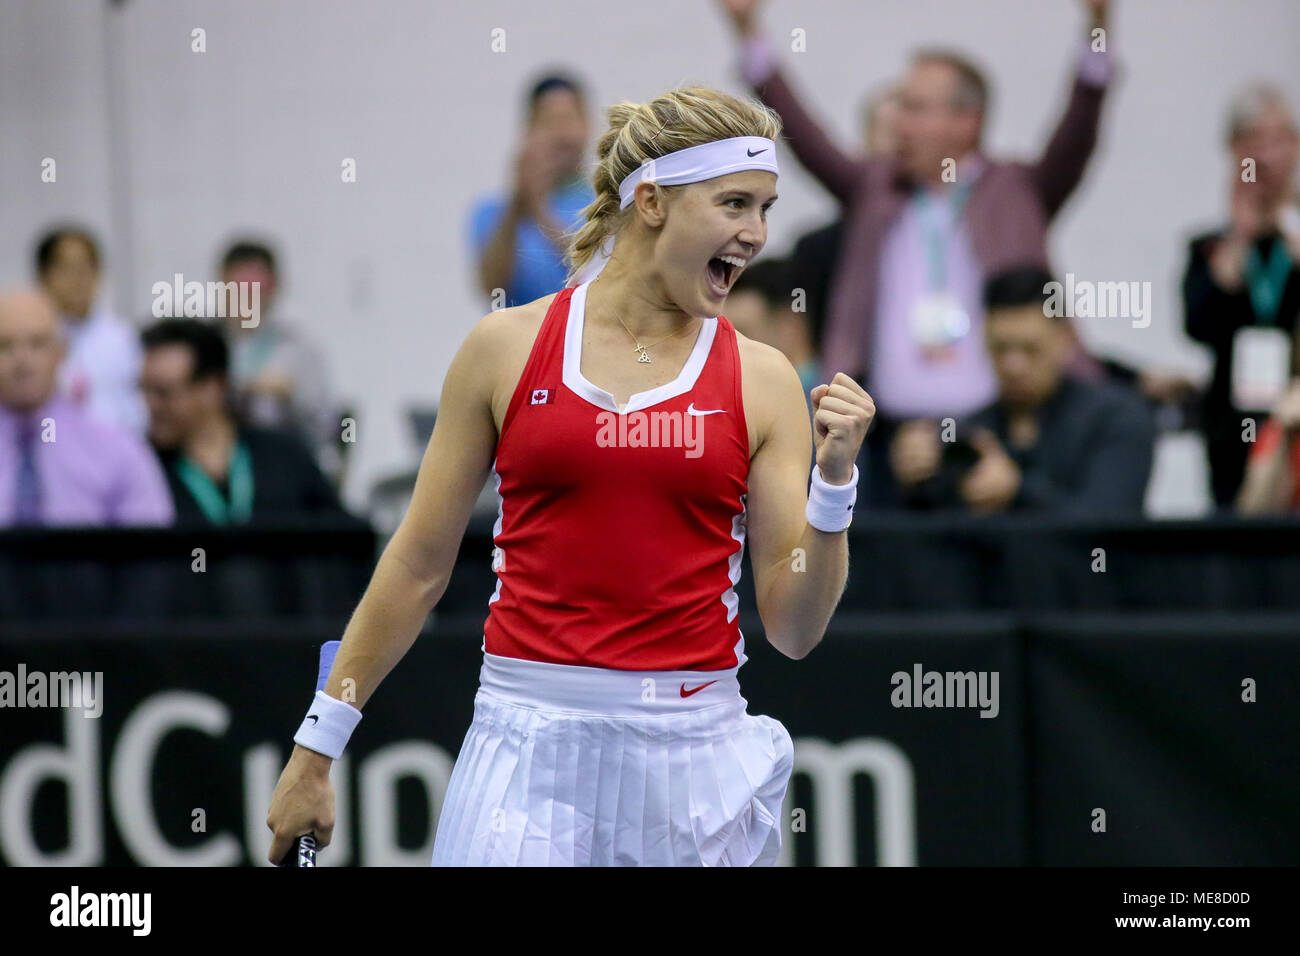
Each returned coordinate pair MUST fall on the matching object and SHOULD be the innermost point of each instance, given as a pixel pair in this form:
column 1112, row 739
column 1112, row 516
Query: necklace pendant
column 642, row 355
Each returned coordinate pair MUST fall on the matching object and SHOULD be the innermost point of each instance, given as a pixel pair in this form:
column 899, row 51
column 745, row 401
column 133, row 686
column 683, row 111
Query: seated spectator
column 277, row 374
column 761, row 306
column 102, row 369
column 1241, row 291
column 220, row 472
column 1048, row 443
column 518, row 238
column 1270, row 486
column 59, row 464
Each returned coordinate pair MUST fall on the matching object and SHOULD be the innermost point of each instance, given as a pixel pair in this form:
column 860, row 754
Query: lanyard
column 258, row 353
column 210, row 500
column 934, row 230
column 1267, row 283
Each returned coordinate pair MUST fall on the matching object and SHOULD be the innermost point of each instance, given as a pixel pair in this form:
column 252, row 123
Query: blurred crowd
column 186, row 421
column 933, row 287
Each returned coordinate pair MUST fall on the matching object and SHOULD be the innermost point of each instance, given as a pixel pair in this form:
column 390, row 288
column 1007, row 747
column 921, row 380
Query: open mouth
column 722, row 272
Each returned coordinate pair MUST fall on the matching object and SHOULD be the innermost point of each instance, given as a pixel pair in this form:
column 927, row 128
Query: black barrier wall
column 1180, row 733
column 956, row 563
column 1144, row 720
column 291, row 570
column 923, row 564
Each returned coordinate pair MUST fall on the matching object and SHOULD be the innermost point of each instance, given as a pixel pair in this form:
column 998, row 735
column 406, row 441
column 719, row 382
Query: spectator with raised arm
column 812, row 261
column 924, row 227
column 519, row 237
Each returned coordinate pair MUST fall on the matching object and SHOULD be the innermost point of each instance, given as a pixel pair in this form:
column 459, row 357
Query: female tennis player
column 636, row 442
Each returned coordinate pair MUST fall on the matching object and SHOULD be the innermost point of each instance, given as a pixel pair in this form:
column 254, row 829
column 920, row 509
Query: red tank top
column 619, row 538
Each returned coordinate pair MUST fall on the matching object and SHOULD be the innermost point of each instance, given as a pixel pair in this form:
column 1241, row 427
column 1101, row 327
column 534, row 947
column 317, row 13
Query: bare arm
column 537, row 169
column 414, row 569
column 1269, row 483
column 1065, row 158
column 839, row 172
column 497, row 263
column 410, row 577
column 1270, row 480
column 799, row 572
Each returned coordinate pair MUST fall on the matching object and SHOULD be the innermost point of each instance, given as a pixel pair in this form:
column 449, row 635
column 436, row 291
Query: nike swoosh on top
column 763, row 150
column 692, row 410
column 696, row 690
column 313, row 717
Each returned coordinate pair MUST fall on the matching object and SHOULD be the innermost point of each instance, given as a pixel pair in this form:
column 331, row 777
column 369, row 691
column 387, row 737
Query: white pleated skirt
column 581, row 766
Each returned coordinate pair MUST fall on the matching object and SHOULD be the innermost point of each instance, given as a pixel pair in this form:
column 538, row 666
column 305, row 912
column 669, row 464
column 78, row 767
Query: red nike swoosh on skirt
column 696, row 690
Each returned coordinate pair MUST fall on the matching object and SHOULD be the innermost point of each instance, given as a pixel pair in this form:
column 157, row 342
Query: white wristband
column 328, row 725
column 830, row 507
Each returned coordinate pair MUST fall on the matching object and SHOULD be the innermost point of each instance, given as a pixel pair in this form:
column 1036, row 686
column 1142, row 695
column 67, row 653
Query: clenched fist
column 842, row 412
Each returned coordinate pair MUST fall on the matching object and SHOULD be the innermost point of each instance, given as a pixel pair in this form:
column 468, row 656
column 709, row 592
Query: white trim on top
column 577, row 382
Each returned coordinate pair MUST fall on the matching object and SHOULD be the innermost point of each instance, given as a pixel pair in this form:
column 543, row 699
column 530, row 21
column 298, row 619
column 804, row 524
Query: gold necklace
column 640, row 349
column 642, row 355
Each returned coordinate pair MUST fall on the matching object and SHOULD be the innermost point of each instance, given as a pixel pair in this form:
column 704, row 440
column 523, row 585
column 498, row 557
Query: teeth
column 734, row 260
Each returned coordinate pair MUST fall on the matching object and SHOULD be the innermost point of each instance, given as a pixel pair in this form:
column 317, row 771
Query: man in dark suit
column 1048, row 443
column 220, row 472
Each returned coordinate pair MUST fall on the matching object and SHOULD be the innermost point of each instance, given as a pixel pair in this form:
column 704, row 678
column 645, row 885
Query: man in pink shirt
column 926, row 223
column 60, row 465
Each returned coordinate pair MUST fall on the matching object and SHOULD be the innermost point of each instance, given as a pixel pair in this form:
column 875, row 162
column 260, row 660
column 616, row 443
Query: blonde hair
column 679, row 119
column 1251, row 105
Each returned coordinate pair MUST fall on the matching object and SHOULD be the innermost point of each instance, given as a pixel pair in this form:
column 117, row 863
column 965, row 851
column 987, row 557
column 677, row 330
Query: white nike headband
column 698, row 163
column 692, row 165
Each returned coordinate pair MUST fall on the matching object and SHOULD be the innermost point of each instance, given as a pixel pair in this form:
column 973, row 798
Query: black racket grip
column 301, row 853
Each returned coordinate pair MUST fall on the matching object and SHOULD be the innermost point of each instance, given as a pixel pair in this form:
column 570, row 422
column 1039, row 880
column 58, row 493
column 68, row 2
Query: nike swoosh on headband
column 691, row 165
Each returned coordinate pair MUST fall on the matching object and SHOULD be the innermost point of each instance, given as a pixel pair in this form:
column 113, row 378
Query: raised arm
column 799, row 571
column 538, row 167
column 410, row 577
column 1059, row 170
column 1214, row 292
column 496, row 254
column 833, row 168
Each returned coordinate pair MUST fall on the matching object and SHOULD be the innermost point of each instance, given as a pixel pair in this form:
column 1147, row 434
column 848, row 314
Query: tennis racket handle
column 303, row 850
column 301, row 853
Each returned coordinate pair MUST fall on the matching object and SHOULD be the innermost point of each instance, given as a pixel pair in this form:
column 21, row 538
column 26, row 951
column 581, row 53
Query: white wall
column 249, row 136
